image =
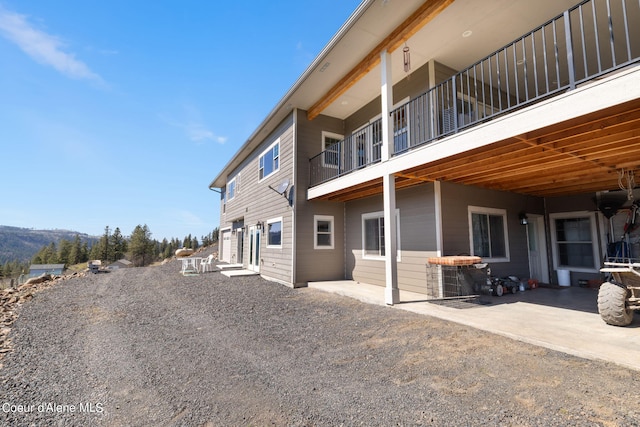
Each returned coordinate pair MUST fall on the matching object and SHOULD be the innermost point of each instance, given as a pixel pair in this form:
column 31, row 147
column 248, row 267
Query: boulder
column 184, row 252
column 40, row 279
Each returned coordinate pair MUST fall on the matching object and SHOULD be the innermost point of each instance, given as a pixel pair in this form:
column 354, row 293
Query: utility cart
column 619, row 296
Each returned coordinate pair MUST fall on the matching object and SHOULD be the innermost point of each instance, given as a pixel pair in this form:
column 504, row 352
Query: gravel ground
column 149, row 347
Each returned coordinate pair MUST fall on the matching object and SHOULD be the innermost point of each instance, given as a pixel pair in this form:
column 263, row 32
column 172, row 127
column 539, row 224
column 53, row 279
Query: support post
column 386, row 90
column 392, row 293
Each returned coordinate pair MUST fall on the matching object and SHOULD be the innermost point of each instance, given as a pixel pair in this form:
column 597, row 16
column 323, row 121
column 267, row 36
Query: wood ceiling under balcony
column 582, row 155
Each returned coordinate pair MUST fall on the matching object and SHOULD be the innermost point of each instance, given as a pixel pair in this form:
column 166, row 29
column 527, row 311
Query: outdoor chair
column 207, row 264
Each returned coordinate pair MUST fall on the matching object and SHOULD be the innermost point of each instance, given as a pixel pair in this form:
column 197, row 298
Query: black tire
column 498, row 290
column 612, row 305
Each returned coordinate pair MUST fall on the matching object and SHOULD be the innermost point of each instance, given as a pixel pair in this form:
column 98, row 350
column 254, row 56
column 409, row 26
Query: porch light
column 407, row 58
column 259, row 225
column 523, row 218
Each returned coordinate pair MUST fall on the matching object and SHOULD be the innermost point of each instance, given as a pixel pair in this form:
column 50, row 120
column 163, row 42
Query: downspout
column 294, row 233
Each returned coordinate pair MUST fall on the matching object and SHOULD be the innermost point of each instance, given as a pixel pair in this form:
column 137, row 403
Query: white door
column 254, row 248
column 538, row 266
column 226, row 246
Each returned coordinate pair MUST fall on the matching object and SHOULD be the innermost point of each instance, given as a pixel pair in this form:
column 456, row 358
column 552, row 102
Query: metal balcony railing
column 587, row 41
column 356, row 151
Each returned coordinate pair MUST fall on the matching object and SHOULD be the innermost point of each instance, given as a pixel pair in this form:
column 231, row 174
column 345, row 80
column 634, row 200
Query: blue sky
column 122, row 112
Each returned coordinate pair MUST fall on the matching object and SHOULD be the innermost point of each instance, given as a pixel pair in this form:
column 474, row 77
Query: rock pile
column 12, row 298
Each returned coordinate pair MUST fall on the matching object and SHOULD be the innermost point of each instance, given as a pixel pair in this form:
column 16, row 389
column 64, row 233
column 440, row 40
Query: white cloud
column 198, row 133
column 193, row 126
column 42, row 47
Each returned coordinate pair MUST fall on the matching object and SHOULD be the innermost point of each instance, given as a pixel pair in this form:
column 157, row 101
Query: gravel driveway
column 149, row 347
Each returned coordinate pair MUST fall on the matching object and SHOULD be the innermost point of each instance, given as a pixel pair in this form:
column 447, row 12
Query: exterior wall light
column 523, row 218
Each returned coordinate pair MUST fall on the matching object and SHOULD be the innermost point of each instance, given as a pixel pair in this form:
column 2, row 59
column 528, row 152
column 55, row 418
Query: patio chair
column 207, row 264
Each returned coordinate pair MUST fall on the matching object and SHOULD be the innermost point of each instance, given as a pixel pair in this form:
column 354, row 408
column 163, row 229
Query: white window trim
column 594, row 240
column 326, row 134
column 235, row 188
column 276, row 142
column 379, row 214
column 331, row 220
column 490, row 211
column 266, row 232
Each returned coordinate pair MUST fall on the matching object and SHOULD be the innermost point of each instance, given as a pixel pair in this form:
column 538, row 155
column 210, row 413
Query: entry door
column 240, row 236
column 538, row 266
column 226, row 246
column 254, row 248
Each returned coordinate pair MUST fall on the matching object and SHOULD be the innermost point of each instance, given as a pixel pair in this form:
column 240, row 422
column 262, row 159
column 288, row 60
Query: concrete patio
column 562, row 319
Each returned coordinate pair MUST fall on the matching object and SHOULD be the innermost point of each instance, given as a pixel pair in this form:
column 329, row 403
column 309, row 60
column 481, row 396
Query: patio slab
column 563, row 319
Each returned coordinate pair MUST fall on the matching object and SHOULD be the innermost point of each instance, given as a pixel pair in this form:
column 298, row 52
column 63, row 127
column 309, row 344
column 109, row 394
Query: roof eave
column 220, row 180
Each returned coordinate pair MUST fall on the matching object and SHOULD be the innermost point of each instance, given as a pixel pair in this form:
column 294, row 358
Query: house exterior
column 503, row 129
column 36, row 270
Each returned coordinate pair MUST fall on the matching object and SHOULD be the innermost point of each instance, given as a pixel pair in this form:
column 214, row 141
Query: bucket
column 564, row 277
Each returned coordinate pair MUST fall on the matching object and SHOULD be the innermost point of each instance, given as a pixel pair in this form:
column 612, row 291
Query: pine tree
column 118, row 245
column 50, row 255
column 84, row 255
column 106, row 250
column 64, row 251
column 140, row 246
column 75, row 254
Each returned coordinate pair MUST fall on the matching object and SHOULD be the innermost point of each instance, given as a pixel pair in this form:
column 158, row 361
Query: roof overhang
column 345, row 75
column 349, row 56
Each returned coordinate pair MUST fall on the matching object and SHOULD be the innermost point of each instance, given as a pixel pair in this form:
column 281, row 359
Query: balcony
column 584, row 43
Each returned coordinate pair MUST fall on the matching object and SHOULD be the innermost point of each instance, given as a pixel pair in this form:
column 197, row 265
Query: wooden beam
column 425, row 13
column 412, row 177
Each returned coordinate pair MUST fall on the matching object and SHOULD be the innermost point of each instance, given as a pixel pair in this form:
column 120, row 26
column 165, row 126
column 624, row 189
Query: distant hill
column 23, row 243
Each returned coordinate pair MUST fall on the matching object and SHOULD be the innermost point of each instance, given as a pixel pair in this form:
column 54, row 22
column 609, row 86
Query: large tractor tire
column 612, row 305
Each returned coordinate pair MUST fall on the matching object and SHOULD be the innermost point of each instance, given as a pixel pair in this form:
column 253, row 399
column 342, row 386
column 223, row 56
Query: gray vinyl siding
column 315, row 264
column 442, row 72
column 410, row 87
column 455, row 223
column 417, row 238
column 256, row 202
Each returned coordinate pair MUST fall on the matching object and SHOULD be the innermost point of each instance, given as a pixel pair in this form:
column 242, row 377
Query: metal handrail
column 585, row 42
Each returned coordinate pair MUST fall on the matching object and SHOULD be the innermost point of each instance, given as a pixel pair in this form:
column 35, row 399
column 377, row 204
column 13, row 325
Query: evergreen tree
column 84, row 255
column 140, row 246
column 50, row 255
column 64, row 250
column 106, row 250
column 118, row 245
column 75, row 253
column 186, row 242
column 95, row 252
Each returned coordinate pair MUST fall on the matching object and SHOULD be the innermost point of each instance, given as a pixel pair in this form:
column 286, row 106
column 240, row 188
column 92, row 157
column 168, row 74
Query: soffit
column 493, row 24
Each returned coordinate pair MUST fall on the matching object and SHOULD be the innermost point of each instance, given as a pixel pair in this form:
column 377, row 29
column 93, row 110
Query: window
column 274, row 233
column 270, row 160
column 331, row 156
column 231, row 189
column 400, row 129
column 488, row 233
column 574, row 236
column 373, row 235
column 323, row 232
